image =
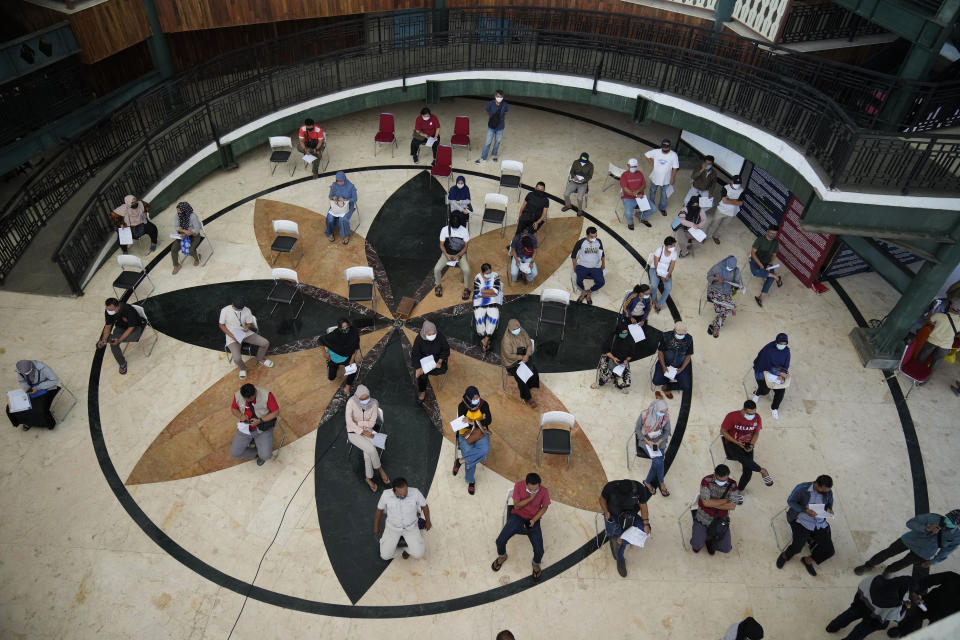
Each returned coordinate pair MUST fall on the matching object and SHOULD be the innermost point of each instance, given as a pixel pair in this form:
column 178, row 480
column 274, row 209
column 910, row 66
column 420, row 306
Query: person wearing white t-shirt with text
column 664, row 164
column 727, row 209
column 660, row 269
column 402, row 505
column 239, row 325
column 453, row 251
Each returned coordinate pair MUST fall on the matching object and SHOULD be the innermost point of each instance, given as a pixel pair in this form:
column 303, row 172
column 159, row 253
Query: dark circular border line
column 267, row 596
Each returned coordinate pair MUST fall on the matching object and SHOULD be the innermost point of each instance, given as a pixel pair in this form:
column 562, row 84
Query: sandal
column 123, row 370
column 498, row 563
column 668, row 394
column 346, row 241
column 779, row 281
column 759, row 301
column 438, row 290
column 472, row 488
column 456, row 466
column 664, row 492
column 466, row 294
column 808, row 566
column 767, row 479
column 537, row 572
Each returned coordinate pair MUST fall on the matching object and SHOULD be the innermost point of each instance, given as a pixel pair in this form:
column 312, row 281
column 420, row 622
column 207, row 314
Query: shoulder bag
column 720, row 524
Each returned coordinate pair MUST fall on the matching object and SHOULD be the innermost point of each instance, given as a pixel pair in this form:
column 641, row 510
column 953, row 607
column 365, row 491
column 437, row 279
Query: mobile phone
column 655, row 448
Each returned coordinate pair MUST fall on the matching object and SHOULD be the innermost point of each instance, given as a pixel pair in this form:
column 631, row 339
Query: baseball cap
column 632, row 162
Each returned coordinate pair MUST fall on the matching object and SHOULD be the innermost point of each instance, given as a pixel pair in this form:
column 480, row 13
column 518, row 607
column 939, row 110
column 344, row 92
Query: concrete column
column 157, row 43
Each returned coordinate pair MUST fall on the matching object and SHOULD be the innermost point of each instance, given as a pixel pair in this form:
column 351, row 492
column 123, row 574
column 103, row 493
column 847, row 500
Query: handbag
column 675, row 224
column 476, row 433
column 720, row 524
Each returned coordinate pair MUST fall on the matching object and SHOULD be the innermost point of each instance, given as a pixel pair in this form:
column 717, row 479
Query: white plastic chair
column 286, row 286
column 511, row 174
column 360, row 285
column 130, row 280
column 506, row 507
column 556, row 441
column 281, row 149
column 553, row 309
column 613, row 175
column 288, row 241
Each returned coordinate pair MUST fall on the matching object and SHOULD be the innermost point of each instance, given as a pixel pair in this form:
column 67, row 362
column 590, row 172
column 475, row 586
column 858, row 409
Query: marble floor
column 114, row 531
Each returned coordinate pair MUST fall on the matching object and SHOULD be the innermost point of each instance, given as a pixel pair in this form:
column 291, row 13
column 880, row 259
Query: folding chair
column 378, row 428
column 286, row 286
column 495, row 211
column 204, row 238
column 461, row 133
column 781, row 538
column 137, row 335
column 718, row 454
column 555, row 441
column 385, row 134
column 360, row 285
column 918, row 372
column 618, row 207
column 635, row 449
column 613, row 175
column 285, row 243
column 553, row 309
column 281, row 149
column 64, row 395
column 503, row 369
column 511, row 174
column 753, row 380
column 687, row 516
column 443, row 167
column 130, row 280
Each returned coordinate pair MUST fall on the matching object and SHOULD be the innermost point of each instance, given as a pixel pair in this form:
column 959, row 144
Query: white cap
column 632, row 162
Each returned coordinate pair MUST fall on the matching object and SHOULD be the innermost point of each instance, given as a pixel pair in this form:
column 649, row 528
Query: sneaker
column 478, row 161
column 495, row 158
column 268, row 363
column 781, row 561
column 756, row 398
column 243, row 374
column 405, row 555
column 710, row 548
column 645, row 223
column 631, row 227
column 416, row 160
column 622, row 568
column 776, row 414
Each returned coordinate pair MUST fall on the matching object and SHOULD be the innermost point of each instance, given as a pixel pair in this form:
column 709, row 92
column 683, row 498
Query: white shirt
column 732, row 193
column 663, row 166
column 663, row 265
column 402, row 513
column 233, row 319
column 456, row 232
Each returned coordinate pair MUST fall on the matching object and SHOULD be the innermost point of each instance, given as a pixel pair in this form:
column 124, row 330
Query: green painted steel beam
column 927, row 253
column 880, row 260
column 880, row 222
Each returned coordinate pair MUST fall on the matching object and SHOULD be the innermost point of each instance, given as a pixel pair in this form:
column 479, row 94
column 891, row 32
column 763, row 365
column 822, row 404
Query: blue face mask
column 515, row 332
column 622, row 335
column 475, row 402
column 781, row 347
column 646, row 296
column 660, row 414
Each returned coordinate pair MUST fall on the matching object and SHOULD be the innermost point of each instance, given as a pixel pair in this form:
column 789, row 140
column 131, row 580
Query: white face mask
column 646, row 296
column 533, row 492
column 425, row 117
column 633, row 169
column 583, row 162
column 460, row 185
column 110, row 313
column 431, row 337
column 499, row 99
column 660, row 415
column 749, row 416
column 365, row 402
column 475, row 402
column 722, row 483
column 781, row 347
column 515, row 332
column 730, row 268
column 488, row 277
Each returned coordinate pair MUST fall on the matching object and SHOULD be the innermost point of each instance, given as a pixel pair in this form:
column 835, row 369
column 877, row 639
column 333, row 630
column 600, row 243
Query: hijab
column 510, row 343
column 342, row 343
column 749, row 629
column 722, row 270
column 29, row 372
column 184, row 211
column 427, row 327
column 770, row 357
column 125, row 211
column 622, row 347
column 459, row 193
column 652, row 423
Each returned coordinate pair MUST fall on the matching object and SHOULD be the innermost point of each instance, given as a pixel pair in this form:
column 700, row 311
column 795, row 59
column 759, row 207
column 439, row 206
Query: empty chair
column 461, row 133
column 286, row 286
column 917, row 371
column 131, row 275
column 495, row 210
column 613, row 176
column 555, row 440
column 443, row 166
column 386, row 134
column 553, row 309
column 281, row 149
column 360, row 285
column 511, row 173
column 138, row 333
column 66, row 398
column 288, row 241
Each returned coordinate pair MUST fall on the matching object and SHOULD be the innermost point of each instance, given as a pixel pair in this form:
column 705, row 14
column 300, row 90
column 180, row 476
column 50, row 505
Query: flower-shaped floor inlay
column 402, row 248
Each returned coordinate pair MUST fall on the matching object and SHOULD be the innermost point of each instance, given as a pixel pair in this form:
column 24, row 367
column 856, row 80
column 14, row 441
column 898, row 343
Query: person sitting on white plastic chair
column 523, row 251
column 239, row 325
column 458, row 198
column 187, row 227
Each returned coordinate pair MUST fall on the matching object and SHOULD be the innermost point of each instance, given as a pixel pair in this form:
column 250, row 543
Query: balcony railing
column 824, row 21
column 757, row 84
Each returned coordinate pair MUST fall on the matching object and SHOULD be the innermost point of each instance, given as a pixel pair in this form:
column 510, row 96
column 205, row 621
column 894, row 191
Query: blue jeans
column 473, row 454
column 595, row 274
column 655, row 284
column 614, row 530
column 343, row 222
column 515, row 270
column 763, row 273
column 656, row 474
column 515, row 524
column 495, row 136
column 629, row 206
column 663, row 196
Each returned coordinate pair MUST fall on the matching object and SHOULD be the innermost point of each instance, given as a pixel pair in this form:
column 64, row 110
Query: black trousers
column 896, row 548
column 422, row 379
column 146, row 228
column 858, row 610
column 745, row 458
column 532, row 383
column 763, row 389
column 38, row 415
column 821, row 542
column 333, row 368
column 415, row 147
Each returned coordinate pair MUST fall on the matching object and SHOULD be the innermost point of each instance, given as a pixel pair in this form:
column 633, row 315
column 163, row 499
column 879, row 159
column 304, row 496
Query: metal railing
column 759, row 84
column 824, row 21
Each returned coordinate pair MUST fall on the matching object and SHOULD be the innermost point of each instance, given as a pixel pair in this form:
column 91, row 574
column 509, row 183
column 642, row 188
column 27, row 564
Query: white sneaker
column 267, row 363
column 776, row 414
column 243, row 374
column 756, row 399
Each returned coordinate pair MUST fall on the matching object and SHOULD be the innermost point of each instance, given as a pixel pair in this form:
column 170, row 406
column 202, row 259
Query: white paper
column 19, row 400
column 379, row 440
column 773, row 266
column 458, row 423
column 350, row 369
column 651, row 452
column 452, row 263
column 642, row 203
column 240, row 334
column 428, row 364
column 636, row 537
column 820, row 510
column 663, row 268
column 125, row 235
column 525, row 267
column 669, row 190
column 706, row 203
column 243, row 427
column 430, row 141
column 524, row 372
column 636, row 331
column 309, row 157
column 579, row 177
column 727, row 209
column 773, row 383
column 671, row 372
column 176, row 236
column 619, row 369
column 698, row 234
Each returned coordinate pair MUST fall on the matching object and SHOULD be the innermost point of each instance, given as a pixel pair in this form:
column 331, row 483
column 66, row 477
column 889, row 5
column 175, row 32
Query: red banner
column 801, row 252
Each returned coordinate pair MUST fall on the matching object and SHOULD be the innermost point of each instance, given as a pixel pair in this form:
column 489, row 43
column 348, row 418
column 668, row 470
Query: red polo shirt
column 429, row 127
column 542, row 499
column 634, row 182
column 313, row 133
column 739, row 427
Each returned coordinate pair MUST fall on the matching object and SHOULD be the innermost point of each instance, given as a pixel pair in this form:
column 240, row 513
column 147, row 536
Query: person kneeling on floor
column 402, row 505
column 256, row 411
column 711, row 521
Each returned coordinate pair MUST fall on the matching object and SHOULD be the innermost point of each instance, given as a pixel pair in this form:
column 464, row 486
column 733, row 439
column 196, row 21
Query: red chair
column 917, row 371
column 461, row 133
column 443, row 168
column 386, row 134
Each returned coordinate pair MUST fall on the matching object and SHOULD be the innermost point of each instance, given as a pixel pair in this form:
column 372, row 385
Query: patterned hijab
column 184, row 211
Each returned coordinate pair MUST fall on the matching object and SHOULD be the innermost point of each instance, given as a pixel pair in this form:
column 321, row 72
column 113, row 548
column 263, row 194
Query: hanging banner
column 801, row 252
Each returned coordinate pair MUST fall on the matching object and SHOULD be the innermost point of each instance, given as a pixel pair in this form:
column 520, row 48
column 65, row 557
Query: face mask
column 646, row 296
column 633, row 169
column 622, row 335
column 488, row 276
column 709, row 166
column 660, row 415
column 515, row 332
column 749, row 416
column 110, row 313
column 345, row 330
column 365, row 402
column 431, row 337
column 459, row 185
column 722, row 483
column 533, row 492
column 425, row 117
column 781, row 347
column 680, row 336
column 730, row 268
column 499, row 99
column 583, row 162
column 475, row 402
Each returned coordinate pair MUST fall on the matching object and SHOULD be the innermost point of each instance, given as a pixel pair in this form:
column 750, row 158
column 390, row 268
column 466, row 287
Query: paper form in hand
column 524, row 372
column 651, row 452
column 430, row 141
column 19, row 400
column 451, row 263
column 350, row 369
column 619, row 369
column 727, row 209
column 668, row 190
column 240, row 334
column 636, row 537
column 379, row 440
column 459, row 423
column 706, row 203
column 642, row 203
column 820, row 510
column 243, row 427
column 125, row 235
column 773, row 266
column 671, row 372
column 636, row 331
column 698, row 234
column 176, row 236
column 428, row 364
column 309, row 157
